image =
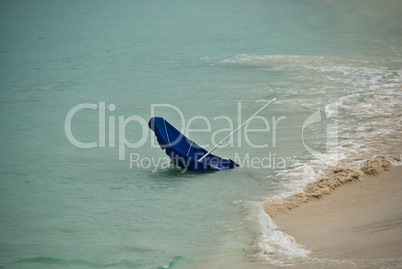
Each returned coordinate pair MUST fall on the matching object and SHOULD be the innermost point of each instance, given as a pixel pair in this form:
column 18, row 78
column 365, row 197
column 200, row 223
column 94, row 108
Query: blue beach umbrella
column 188, row 155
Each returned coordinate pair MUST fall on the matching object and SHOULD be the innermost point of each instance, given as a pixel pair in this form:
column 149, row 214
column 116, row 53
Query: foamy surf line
column 371, row 125
column 278, row 248
column 367, row 93
column 274, row 245
column 369, row 103
column 336, row 178
column 359, row 224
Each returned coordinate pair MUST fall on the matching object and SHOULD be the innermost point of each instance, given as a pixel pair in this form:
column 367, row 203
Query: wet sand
column 359, row 219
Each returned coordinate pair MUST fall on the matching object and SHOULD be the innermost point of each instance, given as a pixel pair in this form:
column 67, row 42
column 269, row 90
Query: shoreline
column 354, row 214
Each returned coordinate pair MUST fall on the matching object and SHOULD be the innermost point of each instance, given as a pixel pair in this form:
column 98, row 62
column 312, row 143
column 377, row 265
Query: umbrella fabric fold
column 183, row 152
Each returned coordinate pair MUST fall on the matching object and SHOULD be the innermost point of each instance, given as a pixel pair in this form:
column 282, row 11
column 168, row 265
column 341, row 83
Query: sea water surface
column 116, row 205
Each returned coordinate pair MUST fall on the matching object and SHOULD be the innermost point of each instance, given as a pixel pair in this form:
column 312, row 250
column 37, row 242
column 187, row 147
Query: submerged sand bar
column 360, row 219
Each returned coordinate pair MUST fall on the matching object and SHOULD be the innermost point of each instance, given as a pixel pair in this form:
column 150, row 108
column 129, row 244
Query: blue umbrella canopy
column 183, row 152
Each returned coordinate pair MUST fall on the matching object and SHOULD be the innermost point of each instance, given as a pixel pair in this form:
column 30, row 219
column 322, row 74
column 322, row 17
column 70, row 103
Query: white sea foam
column 274, row 245
column 368, row 94
column 369, row 103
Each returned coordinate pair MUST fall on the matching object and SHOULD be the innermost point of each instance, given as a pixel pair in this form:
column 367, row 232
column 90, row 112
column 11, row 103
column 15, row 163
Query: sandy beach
column 360, row 219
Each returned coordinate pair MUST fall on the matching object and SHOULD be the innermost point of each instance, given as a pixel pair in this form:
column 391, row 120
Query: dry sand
column 357, row 216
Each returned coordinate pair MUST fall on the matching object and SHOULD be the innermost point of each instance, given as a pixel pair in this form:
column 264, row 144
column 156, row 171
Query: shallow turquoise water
column 68, row 207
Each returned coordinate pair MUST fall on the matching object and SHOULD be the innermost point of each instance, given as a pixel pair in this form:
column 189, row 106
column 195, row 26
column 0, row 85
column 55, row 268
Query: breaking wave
column 369, row 129
column 274, row 245
column 336, row 178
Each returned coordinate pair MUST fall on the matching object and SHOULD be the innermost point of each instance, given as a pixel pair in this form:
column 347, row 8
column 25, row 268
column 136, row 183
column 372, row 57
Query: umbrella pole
column 235, row 131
